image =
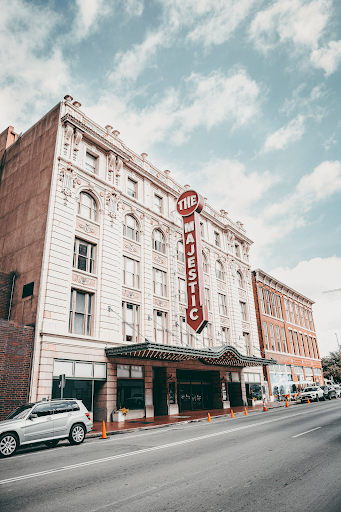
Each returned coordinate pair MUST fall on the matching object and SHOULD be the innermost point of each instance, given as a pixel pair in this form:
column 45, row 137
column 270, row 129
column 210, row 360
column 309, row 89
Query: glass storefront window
column 83, row 369
column 100, row 370
column 63, row 367
column 130, row 394
column 123, row 371
column 136, row 372
column 80, row 389
column 254, row 391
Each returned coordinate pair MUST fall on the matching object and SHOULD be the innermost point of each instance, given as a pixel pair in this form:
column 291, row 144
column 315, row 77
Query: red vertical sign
column 189, row 205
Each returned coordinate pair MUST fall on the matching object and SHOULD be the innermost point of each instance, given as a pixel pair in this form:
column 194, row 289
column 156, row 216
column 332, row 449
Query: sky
column 238, row 98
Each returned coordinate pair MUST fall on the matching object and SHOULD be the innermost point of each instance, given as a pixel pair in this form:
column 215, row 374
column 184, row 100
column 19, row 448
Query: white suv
column 48, row 422
column 312, row 393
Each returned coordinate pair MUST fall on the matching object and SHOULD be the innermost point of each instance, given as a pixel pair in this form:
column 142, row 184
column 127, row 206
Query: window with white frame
column 216, row 239
column 296, row 343
column 207, row 298
column 311, row 321
column 183, row 330
column 279, row 307
column 308, row 346
column 130, row 228
column 247, row 342
column 274, row 304
column 287, row 313
column 222, row 304
column 261, row 296
column 306, row 318
column 312, row 347
column 182, row 290
column 219, row 270
column 87, row 206
column 84, row 256
column 272, row 336
column 291, row 307
column 207, row 335
column 302, row 344
column 225, row 335
column 157, row 203
column 316, row 348
column 243, row 311
column 204, row 263
column 131, row 188
column 285, row 346
column 130, row 322
column 267, row 298
column 297, row 314
column 278, row 335
column 90, row 162
column 130, row 272
column 291, row 342
column 80, row 312
column 159, row 241
column 302, row 316
column 266, row 336
column 159, row 282
column 180, row 251
column 240, row 279
column 160, row 326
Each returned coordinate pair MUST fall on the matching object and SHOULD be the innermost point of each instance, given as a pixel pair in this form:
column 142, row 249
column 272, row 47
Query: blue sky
column 239, row 98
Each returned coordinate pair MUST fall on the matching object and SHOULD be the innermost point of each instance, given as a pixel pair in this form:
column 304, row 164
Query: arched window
column 180, row 251
column 158, row 241
column 87, row 206
column 204, row 263
column 240, row 279
column 130, row 228
column 219, row 270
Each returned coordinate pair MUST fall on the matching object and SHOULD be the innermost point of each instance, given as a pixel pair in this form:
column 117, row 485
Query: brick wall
column 16, row 342
column 5, row 294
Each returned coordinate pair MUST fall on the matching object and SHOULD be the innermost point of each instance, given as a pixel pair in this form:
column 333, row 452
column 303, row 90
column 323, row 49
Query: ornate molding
column 77, row 139
column 221, row 285
column 161, row 260
column 130, row 294
column 224, row 321
column 246, row 326
column 206, row 278
column 85, row 281
column 182, row 310
column 161, row 303
column 131, row 247
column 242, row 294
column 181, row 268
column 87, row 227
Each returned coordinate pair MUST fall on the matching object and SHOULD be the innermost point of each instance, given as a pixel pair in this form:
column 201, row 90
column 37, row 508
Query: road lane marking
column 306, row 432
column 146, row 450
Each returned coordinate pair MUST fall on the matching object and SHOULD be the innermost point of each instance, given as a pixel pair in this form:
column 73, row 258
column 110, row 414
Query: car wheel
column 8, row 444
column 51, row 444
column 77, row 434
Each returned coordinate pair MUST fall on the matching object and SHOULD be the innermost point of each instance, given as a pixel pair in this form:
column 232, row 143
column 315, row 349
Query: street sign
column 189, row 206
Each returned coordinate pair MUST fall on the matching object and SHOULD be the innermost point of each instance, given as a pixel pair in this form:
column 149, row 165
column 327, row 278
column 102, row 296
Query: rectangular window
column 80, row 312
column 285, row 346
column 207, row 299
column 237, row 250
column 266, row 337
column 157, row 203
column 207, row 335
column 183, row 330
column 297, row 314
column 291, row 342
column 296, row 343
column 302, row 316
column 291, row 307
column 261, row 296
column 316, row 349
column 84, row 256
column 312, row 347
column 130, row 322
column 274, row 305
column 132, row 188
column 90, row 163
column 307, row 345
column 302, row 345
column 306, row 318
column 272, row 336
column 279, row 307
column 216, row 239
column 243, row 311
column 246, row 337
column 278, row 335
column 287, row 313
column 160, row 326
column 311, row 321
column 159, row 282
column 130, row 272
column 268, row 305
column 225, row 335
column 222, row 304
column 182, row 291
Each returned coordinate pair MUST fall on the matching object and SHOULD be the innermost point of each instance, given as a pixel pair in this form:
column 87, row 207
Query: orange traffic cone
column 209, row 417
column 245, row 413
column 286, row 403
column 104, row 432
column 308, row 401
column 264, row 407
column 232, row 415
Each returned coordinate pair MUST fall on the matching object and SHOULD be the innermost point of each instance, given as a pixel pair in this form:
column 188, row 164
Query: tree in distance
column 331, row 366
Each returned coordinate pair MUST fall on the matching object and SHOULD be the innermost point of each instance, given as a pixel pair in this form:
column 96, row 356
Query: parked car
column 329, row 392
column 338, row 390
column 47, row 421
column 313, row 393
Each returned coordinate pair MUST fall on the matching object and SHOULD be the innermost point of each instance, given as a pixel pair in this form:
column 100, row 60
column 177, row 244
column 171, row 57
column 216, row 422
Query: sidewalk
column 114, row 427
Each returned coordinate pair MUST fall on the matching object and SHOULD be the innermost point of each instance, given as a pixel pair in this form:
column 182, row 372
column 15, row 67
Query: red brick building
column 287, row 334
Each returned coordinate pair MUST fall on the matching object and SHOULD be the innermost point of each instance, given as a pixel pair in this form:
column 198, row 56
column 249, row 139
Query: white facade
column 94, row 161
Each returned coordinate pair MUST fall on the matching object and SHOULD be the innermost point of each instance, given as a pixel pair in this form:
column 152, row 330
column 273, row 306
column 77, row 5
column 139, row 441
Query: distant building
column 286, row 333
column 91, row 231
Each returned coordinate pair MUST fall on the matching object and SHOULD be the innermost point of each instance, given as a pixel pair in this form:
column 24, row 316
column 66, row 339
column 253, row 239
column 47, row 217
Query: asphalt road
column 281, row 460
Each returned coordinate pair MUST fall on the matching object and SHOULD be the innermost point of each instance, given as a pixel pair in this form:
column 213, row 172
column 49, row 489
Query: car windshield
column 20, row 412
column 310, row 389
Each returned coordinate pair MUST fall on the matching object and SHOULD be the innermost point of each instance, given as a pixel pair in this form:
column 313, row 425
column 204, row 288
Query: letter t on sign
column 189, row 206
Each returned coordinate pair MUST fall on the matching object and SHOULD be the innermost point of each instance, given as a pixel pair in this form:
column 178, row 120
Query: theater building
column 91, row 231
column 286, row 333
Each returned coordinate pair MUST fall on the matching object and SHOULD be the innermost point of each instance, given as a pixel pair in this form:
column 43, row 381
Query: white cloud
column 300, row 22
column 207, row 102
column 312, row 278
column 286, row 135
column 32, row 68
column 327, row 58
